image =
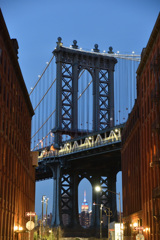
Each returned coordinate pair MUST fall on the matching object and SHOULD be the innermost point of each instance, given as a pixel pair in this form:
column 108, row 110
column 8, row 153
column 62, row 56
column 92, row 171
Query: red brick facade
column 141, row 148
column 17, row 175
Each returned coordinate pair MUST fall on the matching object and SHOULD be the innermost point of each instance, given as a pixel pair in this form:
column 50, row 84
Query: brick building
column 17, row 175
column 141, row 148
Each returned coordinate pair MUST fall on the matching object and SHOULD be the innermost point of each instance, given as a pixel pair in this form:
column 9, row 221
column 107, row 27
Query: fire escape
column 155, row 68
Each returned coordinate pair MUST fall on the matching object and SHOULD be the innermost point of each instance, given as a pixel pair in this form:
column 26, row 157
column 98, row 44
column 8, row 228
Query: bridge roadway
column 98, row 152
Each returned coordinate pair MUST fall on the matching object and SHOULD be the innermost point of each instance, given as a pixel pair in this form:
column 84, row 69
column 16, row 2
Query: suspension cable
column 55, row 109
column 129, row 57
column 133, row 56
column 85, row 89
column 44, row 123
column 45, row 94
column 37, row 143
column 41, row 75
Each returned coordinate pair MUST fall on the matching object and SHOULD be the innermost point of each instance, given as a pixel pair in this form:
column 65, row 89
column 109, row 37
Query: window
column 6, row 128
column 8, row 74
column 10, row 106
column 5, row 66
column 7, row 99
column 0, row 84
column 142, row 89
column 12, row 82
column 148, row 78
column 4, row 93
column 3, row 122
column 144, row 84
column 142, row 114
column 12, row 138
column 10, row 132
column 0, row 56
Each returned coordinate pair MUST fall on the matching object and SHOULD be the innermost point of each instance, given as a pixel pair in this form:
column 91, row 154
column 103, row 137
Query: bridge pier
column 75, row 219
column 112, row 196
column 69, row 199
column 56, row 168
column 65, row 197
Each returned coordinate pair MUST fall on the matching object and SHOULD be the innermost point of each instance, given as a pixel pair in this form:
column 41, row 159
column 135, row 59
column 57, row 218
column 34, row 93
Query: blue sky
column 125, row 25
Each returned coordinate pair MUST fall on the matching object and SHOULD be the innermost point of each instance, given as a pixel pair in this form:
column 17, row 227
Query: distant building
column 84, row 215
column 17, row 174
column 141, row 148
column 90, row 217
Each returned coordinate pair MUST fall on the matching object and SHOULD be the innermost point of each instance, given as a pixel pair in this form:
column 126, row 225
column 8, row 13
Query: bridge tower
column 70, row 62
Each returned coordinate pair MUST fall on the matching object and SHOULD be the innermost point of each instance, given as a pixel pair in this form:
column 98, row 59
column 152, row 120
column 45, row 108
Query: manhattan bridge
column 81, row 102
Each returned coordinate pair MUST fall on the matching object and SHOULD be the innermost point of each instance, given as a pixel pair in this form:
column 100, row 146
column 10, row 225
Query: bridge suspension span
column 43, row 95
column 81, row 101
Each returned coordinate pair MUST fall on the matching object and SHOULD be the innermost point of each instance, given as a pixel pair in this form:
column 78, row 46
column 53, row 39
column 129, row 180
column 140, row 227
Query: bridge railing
column 87, row 144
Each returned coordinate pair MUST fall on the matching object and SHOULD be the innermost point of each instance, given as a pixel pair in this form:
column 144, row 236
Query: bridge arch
column 81, row 69
column 85, row 100
column 84, row 202
column 119, row 189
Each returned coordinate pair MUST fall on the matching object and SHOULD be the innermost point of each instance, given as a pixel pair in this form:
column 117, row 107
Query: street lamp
column 108, row 215
column 98, row 189
column 17, row 230
column 46, row 208
column 43, row 199
column 101, row 206
column 120, row 219
column 50, row 231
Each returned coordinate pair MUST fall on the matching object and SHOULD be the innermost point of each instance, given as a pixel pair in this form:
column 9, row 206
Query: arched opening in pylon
column 85, row 203
column 119, row 190
column 85, row 101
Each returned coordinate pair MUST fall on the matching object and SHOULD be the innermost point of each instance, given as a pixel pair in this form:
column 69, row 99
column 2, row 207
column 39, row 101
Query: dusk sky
column 125, row 25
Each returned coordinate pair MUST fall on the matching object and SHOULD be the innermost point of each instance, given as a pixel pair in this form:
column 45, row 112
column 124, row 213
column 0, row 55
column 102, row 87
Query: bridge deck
column 96, row 152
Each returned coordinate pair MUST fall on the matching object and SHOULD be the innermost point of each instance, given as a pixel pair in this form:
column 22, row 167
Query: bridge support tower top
column 70, row 62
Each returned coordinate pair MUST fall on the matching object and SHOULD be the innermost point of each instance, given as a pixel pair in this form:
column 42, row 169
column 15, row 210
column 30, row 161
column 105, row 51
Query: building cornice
column 149, row 47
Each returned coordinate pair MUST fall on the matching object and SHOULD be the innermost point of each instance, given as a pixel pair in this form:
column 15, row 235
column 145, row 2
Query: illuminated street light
column 43, row 199
column 20, row 228
column 50, row 231
column 17, row 230
column 98, row 189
